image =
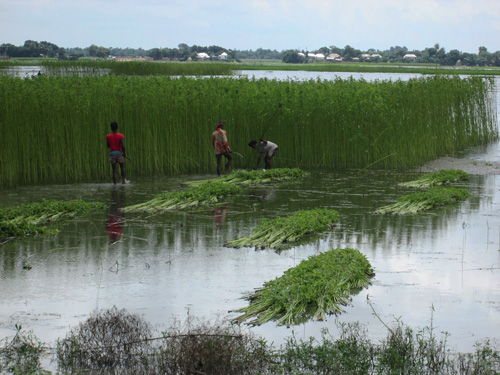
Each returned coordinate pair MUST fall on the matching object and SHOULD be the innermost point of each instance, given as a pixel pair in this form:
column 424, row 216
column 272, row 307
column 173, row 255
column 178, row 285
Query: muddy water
column 442, row 265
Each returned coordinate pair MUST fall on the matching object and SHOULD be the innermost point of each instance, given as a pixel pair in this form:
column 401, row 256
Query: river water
column 442, row 266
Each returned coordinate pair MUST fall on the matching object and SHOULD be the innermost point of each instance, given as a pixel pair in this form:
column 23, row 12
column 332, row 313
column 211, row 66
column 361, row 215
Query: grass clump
column 283, row 232
column 424, row 201
column 23, row 354
column 266, row 176
column 317, row 287
column 442, row 177
column 205, row 194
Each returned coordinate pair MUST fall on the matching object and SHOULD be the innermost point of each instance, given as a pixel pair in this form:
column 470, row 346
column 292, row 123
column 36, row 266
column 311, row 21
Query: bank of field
column 53, row 128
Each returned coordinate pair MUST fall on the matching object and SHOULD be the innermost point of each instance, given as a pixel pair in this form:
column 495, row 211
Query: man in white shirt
column 267, row 148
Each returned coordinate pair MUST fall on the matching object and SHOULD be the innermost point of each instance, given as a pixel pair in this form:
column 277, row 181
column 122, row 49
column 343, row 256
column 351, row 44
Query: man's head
column 253, row 143
column 220, row 125
column 114, row 126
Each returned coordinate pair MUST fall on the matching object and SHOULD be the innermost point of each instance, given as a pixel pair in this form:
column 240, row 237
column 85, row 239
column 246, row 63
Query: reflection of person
column 267, row 148
column 219, row 215
column 114, row 225
column 116, row 151
column 221, row 146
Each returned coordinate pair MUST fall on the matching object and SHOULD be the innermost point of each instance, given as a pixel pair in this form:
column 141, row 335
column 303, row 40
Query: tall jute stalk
column 53, row 128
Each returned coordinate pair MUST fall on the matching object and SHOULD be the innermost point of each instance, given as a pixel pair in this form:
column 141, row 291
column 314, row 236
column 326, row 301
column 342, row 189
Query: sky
column 308, row 25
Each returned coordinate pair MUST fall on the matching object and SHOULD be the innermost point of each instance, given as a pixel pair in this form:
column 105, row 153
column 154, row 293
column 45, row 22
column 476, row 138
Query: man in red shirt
column 116, row 151
column 221, row 146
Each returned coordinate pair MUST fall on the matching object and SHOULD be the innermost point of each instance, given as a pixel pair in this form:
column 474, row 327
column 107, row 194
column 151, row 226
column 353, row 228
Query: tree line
column 435, row 54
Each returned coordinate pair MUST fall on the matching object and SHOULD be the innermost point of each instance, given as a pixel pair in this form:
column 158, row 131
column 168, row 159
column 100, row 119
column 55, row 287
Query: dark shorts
column 219, row 156
column 118, row 158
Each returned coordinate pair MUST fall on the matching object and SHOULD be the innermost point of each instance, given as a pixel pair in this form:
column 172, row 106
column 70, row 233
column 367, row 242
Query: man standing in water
column 116, row 151
column 265, row 148
column 221, row 146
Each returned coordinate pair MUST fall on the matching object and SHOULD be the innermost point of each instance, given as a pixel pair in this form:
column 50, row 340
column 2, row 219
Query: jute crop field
column 53, row 128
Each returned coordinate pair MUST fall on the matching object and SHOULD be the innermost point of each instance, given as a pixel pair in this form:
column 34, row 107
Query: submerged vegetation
column 317, row 287
column 244, row 177
column 283, row 232
column 25, row 220
column 357, row 124
column 206, row 194
column 441, row 177
column 424, row 201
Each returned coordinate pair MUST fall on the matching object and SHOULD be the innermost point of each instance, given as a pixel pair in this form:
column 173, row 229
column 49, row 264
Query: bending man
column 267, row 148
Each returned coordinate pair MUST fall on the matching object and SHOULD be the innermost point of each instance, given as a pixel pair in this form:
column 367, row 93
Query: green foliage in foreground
column 48, row 210
column 424, row 201
column 318, row 286
column 441, row 177
column 206, row 194
column 245, row 177
column 25, row 220
column 116, row 342
column 282, row 232
column 9, row 229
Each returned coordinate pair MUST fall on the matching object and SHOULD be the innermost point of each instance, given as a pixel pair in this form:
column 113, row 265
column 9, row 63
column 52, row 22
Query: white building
column 202, row 56
column 223, row 56
column 334, row 57
column 410, row 56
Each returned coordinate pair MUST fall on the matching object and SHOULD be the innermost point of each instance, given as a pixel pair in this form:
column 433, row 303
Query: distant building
column 334, row 57
column 202, row 56
column 316, row 56
column 365, row 56
column 223, row 56
column 410, row 56
column 376, row 56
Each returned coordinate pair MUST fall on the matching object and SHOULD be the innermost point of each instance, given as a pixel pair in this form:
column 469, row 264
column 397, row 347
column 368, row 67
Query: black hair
column 114, row 126
column 252, row 143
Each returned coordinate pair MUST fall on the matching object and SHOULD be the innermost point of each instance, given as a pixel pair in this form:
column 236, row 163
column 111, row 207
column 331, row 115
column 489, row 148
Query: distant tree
column 155, row 54
column 215, row 50
column 349, row 52
column 337, row 50
column 292, row 57
column 452, row 57
column 483, row 57
column 324, row 50
column 6, row 49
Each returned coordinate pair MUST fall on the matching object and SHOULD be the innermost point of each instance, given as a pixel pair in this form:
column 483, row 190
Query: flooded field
column 443, row 265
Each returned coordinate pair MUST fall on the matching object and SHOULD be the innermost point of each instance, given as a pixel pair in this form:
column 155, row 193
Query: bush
column 109, row 339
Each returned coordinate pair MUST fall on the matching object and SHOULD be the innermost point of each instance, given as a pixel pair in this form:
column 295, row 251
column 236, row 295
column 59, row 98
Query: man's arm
column 123, row 147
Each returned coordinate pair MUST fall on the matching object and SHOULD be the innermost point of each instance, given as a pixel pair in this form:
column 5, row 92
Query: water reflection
column 114, row 225
column 219, row 215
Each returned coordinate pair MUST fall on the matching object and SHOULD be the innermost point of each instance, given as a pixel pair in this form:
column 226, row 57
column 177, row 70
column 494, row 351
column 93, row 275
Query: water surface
column 170, row 265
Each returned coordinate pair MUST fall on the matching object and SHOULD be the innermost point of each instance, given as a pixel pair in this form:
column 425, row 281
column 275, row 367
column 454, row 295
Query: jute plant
column 48, row 211
column 245, row 177
column 209, row 193
column 424, row 201
column 441, row 177
column 282, row 232
column 317, row 287
column 26, row 219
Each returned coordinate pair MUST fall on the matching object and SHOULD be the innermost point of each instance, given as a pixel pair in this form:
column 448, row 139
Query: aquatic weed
column 317, row 287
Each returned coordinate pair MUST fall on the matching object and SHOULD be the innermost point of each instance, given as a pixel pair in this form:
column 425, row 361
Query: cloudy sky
column 464, row 25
